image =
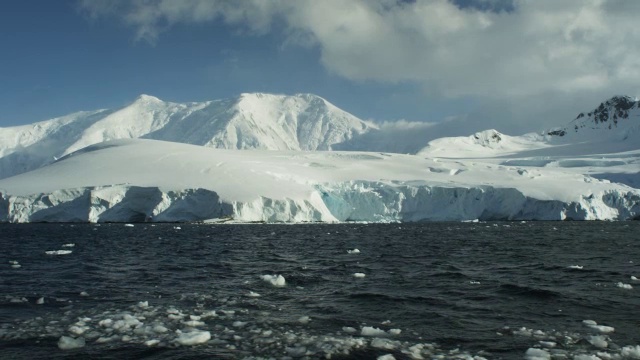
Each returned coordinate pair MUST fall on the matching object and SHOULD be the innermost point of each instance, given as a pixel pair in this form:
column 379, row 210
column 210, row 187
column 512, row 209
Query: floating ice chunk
column 383, row 344
column 194, row 323
column 349, row 329
column 68, row 245
column 598, row 341
column 359, row 275
column 128, row 225
column 68, row 343
column 576, row 267
column 548, row 344
column 537, row 354
column 633, row 278
column 239, row 324
column 15, row 264
column 106, row 323
column 354, row 251
column 386, row 357
column 395, row 331
column 624, row 286
column 586, row 357
column 58, row 252
column 143, row 304
column 275, row 280
column 193, row 338
column 253, row 294
column 304, row 319
column 601, row 328
column 631, row 352
column 84, row 293
column 298, row 351
column 177, row 228
column 160, row 329
column 371, row 331
column 40, row 301
column 152, row 342
column 473, row 282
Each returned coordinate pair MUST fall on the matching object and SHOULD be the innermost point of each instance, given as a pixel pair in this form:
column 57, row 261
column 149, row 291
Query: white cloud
column 541, row 47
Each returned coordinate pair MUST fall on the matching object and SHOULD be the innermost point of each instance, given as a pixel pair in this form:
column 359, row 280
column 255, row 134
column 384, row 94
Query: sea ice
column 601, row 328
column 193, row 337
column 537, row 354
column 68, row 343
column 386, row 357
column 58, row 252
column 40, row 301
column 129, row 225
column 598, row 341
column 631, row 352
column 624, row 286
column 275, row 280
column 577, row 267
column 68, row 245
column 633, row 278
column 354, row 251
column 372, row 331
column 253, row 294
column 359, row 275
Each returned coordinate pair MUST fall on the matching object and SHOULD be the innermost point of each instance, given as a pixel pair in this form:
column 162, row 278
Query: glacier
column 141, row 180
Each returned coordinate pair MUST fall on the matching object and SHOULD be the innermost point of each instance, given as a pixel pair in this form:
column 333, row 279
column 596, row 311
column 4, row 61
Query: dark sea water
column 430, row 290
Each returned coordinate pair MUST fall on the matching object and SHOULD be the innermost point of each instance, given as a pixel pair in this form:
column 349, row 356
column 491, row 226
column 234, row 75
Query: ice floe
column 275, row 280
column 58, row 252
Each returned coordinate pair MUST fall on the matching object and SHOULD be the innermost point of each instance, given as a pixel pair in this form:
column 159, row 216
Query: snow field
column 177, row 182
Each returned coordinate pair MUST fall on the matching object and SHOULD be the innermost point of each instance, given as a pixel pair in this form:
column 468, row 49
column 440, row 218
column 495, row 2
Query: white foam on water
column 576, row 267
column 129, row 225
column 58, row 252
column 68, row 245
column 275, row 280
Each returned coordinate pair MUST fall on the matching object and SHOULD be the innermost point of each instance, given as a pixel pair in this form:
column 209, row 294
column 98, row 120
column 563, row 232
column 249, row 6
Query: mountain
column 613, row 127
column 148, row 180
column 249, row 121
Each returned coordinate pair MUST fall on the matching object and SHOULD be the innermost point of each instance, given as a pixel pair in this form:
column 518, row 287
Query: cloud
column 495, row 50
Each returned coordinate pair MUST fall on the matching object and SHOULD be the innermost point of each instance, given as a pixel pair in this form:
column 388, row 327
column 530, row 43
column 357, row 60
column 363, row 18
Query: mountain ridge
column 248, row 121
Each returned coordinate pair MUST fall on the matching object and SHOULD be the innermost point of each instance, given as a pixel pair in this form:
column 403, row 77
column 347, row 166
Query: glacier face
column 352, row 201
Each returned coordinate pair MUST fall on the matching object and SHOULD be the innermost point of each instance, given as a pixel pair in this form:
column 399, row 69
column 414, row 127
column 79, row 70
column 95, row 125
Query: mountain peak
column 144, row 98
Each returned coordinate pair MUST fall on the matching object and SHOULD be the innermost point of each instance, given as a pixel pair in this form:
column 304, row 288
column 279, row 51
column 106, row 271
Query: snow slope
column 166, row 181
column 250, row 121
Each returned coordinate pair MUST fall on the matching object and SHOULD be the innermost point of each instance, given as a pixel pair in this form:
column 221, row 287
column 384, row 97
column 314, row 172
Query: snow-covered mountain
column 249, row 121
column 589, row 169
column 613, row 127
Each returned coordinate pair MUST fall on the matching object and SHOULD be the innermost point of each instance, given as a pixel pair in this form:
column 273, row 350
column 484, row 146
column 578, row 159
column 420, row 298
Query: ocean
column 446, row 290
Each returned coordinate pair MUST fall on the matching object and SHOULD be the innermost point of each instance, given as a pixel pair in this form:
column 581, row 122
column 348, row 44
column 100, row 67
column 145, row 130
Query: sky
column 467, row 65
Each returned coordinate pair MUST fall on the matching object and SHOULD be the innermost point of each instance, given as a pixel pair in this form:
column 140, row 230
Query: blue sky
column 519, row 65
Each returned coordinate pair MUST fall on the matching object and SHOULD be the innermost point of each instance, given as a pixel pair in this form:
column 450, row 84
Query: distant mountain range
column 297, row 122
